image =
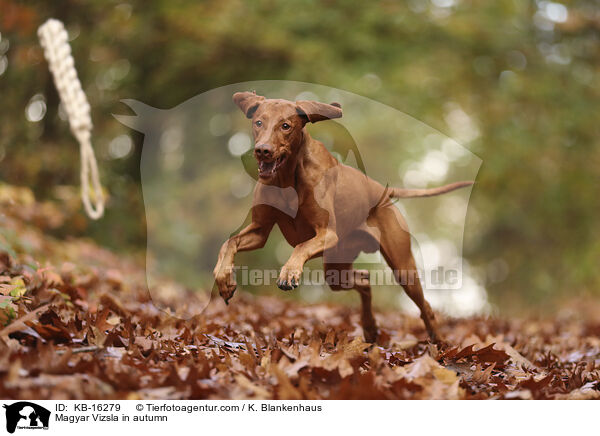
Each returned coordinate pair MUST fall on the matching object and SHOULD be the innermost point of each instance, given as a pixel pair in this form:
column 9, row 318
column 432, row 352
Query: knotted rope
column 54, row 40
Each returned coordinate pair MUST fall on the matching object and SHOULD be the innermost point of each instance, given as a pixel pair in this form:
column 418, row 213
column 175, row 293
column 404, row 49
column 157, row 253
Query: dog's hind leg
column 394, row 241
column 342, row 276
column 362, row 285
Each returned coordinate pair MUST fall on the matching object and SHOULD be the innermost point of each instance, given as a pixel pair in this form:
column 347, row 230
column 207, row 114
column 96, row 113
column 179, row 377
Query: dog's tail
column 411, row 193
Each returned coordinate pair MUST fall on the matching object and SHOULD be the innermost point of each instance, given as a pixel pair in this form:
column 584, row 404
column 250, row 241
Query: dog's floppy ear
column 248, row 102
column 315, row 111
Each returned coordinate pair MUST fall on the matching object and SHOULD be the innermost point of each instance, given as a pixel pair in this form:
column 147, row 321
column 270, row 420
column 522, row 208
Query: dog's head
column 278, row 128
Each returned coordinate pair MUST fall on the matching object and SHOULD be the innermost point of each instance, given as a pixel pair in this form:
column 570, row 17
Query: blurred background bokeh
column 515, row 82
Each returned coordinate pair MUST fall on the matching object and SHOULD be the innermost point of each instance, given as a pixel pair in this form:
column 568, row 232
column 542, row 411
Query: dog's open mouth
column 268, row 169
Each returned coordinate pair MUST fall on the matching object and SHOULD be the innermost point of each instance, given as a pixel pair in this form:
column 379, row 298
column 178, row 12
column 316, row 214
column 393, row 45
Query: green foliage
column 528, row 86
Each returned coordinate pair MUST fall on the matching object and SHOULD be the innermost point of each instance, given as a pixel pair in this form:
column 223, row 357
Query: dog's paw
column 227, row 294
column 226, row 284
column 288, row 279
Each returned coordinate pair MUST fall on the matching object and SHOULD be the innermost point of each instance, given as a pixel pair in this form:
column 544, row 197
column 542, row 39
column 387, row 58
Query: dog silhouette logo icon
column 26, row 415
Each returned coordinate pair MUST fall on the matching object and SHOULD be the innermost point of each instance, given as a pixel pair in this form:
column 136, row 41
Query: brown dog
column 323, row 208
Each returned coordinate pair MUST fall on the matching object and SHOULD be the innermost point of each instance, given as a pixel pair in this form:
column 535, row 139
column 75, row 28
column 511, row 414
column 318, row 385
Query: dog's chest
column 295, row 230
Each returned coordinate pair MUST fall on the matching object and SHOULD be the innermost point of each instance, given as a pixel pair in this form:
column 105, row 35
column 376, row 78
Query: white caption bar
column 149, row 417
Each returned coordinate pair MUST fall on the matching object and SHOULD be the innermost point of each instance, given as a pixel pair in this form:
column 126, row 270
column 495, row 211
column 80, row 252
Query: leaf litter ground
column 76, row 322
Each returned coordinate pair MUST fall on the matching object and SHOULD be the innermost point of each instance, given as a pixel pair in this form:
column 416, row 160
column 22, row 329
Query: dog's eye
column 286, row 126
column 258, row 123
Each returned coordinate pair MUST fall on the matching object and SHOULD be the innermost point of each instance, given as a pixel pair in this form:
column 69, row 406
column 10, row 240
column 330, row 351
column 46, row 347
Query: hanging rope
column 54, row 41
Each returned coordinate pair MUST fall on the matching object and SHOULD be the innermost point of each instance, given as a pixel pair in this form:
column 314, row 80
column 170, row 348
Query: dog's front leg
column 289, row 278
column 253, row 236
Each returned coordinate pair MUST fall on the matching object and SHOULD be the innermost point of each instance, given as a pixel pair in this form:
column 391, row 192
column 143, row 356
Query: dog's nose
column 263, row 151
